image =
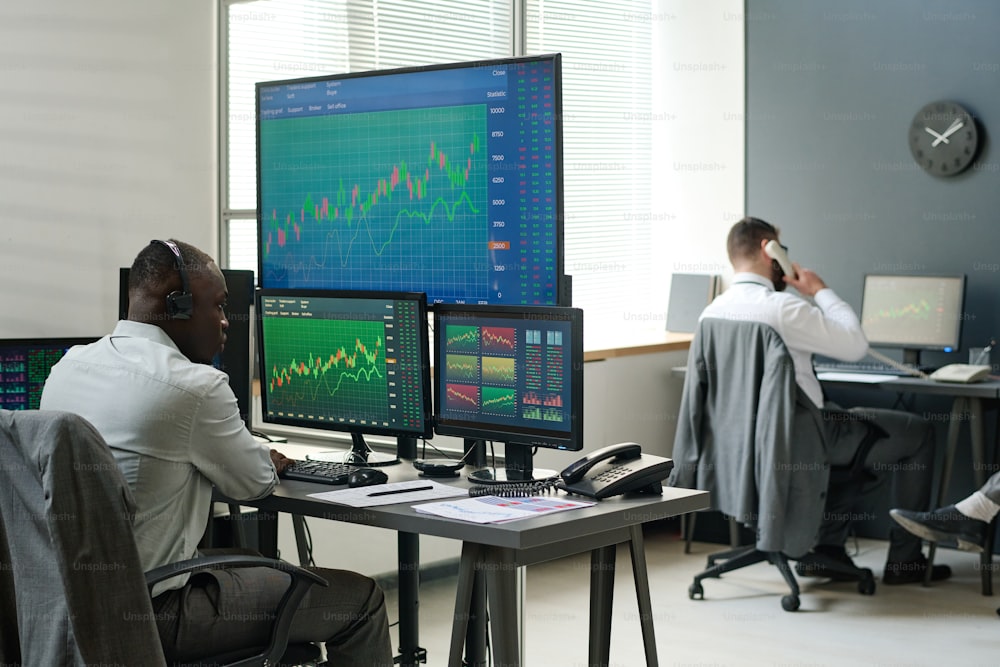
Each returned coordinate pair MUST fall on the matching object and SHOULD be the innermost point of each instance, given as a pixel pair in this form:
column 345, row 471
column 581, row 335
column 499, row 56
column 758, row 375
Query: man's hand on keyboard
column 280, row 461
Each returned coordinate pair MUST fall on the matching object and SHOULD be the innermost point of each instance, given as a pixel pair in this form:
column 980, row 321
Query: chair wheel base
column 790, row 602
column 696, row 592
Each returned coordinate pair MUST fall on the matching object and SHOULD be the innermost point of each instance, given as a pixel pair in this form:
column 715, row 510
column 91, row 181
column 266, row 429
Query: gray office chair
column 72, row 591
column 746, row 435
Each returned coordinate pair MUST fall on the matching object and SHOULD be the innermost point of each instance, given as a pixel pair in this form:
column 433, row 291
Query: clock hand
column 938, row 136
column 952, row 129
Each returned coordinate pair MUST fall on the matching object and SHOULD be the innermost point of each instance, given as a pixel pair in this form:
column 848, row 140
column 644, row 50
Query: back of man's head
column 154, row 274
column 745, row 236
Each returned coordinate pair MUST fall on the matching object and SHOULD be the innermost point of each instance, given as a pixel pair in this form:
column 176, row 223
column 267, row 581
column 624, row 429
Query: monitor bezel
column 563, row 282
column 909, row 345
column 571, row 440
column 420, row 298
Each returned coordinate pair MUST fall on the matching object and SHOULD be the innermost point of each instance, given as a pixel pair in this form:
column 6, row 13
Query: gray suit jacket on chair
column 745, row 435
column 72, row 590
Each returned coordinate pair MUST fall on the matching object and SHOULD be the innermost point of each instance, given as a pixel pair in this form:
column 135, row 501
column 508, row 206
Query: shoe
column 946, row 526
column 912, row 572
column 822, row 562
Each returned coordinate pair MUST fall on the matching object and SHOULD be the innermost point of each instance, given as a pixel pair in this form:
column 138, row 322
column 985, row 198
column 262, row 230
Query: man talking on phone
column 822, row 323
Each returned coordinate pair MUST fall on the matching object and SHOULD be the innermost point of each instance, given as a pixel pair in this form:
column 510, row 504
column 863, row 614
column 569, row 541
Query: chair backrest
column 66, row 541
column 745, row 435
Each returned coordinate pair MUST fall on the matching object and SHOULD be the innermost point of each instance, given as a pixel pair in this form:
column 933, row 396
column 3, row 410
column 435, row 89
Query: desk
column 497, row 550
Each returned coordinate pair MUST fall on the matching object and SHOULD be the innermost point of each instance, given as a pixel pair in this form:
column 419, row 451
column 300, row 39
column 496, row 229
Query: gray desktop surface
column 607, row 515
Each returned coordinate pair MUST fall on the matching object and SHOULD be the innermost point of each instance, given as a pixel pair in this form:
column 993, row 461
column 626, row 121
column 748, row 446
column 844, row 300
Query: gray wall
column 831, row 91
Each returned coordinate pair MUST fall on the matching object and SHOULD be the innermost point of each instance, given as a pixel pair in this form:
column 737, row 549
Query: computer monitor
column 913, row 312
column 510, row 374
column 346, row 361
column 444, row 179
column 24, row 366
column 236, row 360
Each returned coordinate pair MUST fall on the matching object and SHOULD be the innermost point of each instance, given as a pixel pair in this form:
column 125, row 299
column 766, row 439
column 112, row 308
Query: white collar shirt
column 174, row 429
column 830, row 327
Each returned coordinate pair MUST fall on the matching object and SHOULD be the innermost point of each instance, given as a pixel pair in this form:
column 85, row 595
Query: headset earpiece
column 180, row 304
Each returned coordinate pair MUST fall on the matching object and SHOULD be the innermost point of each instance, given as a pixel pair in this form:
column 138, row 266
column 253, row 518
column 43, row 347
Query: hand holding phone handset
column 617, row 469
column 778, row 254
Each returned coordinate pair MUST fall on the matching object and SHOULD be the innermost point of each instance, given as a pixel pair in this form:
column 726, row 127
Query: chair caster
column 790, row 602
column 866, row 585
column 696, row 592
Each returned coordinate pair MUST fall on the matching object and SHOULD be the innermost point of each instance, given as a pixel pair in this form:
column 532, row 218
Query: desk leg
column 475, row 636
column 602, row 590
column 501, row 592
column 641, row 576
column 408, row 556
column 471, row 554
column 267, row 533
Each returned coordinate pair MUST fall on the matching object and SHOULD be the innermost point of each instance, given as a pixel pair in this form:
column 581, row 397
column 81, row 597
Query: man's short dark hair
column 155, row 269
column 745, row 237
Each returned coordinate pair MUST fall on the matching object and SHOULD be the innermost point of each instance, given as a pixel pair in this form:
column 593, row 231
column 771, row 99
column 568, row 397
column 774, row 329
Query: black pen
column 389, row 493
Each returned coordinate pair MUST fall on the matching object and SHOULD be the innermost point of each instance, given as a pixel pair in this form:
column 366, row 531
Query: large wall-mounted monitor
column 357, row 362
column 913, row 312
column 510, row 374
column 444, row 179
column 236, row 359
column 24, row 366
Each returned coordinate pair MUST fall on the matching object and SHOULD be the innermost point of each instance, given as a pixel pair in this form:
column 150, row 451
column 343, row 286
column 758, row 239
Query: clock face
column 943, row 138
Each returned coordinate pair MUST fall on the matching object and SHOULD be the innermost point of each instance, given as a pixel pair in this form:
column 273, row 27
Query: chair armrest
column 301, row 580
column 164, row 572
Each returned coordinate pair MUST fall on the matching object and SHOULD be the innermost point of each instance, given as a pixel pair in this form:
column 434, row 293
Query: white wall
column 107, row 140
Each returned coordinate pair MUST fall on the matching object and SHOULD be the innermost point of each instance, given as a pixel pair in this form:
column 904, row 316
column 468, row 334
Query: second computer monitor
column 510, row 374
column 345, row 361
column 913, row 312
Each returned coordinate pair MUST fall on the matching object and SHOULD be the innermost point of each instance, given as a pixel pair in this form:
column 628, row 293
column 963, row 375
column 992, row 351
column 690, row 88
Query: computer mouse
column 366, row 477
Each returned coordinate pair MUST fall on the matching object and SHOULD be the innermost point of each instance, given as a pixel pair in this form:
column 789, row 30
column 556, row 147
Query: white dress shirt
column 830, row 328
column 174, row 429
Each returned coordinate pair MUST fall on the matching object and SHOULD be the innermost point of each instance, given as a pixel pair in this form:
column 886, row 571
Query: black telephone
column 617, row 469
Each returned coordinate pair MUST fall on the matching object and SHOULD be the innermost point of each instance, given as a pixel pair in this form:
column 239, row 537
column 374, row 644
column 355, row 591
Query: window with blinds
column 608, row 80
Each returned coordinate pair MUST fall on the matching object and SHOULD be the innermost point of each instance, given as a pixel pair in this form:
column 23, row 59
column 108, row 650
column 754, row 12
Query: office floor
column 740, row 621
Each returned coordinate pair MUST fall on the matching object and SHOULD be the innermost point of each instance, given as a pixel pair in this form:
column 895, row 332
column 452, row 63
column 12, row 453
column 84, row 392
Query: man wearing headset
column 173, row 425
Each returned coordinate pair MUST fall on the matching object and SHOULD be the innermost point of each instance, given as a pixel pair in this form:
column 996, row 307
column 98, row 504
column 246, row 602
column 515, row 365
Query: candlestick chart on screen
column 376, row 200
column 330, row 367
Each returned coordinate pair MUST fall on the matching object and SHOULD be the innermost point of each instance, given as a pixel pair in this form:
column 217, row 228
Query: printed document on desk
column 390, row 494
column 494, row 509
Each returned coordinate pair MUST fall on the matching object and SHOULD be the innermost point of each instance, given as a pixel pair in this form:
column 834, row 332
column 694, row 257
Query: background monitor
column 346, row 361
column 236, row 359
column 913, row 313
column 510, row 374
column 443, row 179
column 24, row 366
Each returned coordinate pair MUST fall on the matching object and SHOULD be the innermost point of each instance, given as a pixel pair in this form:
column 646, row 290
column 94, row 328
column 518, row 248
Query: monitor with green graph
column 353, row 361
column 913, row 313
column 444, row 179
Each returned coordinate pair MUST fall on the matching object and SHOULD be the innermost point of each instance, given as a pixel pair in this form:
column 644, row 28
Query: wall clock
column 944, row 138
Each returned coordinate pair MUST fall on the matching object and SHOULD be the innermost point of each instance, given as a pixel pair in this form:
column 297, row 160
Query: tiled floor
column 740, row 621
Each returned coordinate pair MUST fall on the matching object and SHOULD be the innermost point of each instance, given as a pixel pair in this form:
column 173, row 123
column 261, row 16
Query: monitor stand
column 518, row 467
column 360, row 454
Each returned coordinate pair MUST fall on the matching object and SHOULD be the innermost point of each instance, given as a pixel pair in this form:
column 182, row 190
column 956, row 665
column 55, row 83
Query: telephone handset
column 614, row 470
column 778, row 254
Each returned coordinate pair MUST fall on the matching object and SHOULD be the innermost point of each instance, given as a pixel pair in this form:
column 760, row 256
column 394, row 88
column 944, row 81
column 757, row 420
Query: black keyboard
column 324, row 472
column 869, row 367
